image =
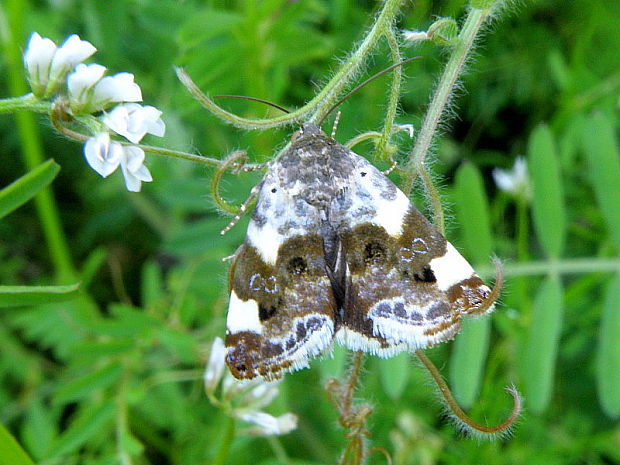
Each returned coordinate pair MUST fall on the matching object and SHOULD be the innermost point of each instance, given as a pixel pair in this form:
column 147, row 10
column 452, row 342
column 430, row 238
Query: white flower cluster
column 245, row 399
column 54, row 71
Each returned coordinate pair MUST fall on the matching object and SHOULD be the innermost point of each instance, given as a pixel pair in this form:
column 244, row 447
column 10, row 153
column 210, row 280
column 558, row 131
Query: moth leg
column 242, row 209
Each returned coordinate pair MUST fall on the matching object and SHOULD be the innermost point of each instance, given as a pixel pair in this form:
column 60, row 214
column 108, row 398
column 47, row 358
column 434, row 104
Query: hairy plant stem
column 314, row 110
column 441, row 98
column 459, row 414
column 383, row 149
column 353, row 420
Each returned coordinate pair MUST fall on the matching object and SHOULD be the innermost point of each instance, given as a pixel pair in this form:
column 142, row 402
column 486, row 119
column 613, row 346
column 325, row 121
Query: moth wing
column 408, row 287
column 282, row 306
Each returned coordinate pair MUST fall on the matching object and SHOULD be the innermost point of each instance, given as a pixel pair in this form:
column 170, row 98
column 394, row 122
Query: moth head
column 306, row 129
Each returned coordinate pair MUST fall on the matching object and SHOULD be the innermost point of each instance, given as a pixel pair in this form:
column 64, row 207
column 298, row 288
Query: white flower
column 244, row 399
column 268, row 425
column 133, row 121
column 133, row 169
column 215, row 365
column 90, row 92
column 48, row 65
column 80, row 84
column 515, row 181
column 104, row 156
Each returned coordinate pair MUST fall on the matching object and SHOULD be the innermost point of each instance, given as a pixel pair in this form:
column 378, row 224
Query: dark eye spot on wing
column 425, row 276
column 363, row 173
column 297, row 266
column 374, row 251
column 264, row 313
column 274, row 190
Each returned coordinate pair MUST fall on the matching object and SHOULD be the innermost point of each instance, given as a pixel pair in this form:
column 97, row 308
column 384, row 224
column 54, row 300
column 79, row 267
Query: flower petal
column 80, row 83
column 117, row 88
column 102, row 155
column 133, row 121
column 215, row 366
column 268, row 425
column 38, row 59
column 133, row 170
column 70, row 53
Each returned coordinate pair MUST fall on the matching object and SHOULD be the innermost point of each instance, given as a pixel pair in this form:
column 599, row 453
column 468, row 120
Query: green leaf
column 472, row 208
column 11, row 453
column 26, row 187
column 81, row 387
column 91, row 420
column 548, row 198
column 17, row 296
column 608, row 351
column 542, row 344
column 468, row 358
column 394, row 373
column 471, row 346
column 603, row 157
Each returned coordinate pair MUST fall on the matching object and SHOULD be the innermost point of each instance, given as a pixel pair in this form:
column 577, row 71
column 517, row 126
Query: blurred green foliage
column 114, row 376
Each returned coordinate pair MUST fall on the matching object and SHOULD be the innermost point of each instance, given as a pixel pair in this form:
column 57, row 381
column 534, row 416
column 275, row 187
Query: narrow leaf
column 394, row 374
column 542, row 344
column 467, row 360
column 18, row 296
column 603, row 157
column 10, row 450
column 26, row 187
column 471, row 346
column 608, row 353
column 548, row 198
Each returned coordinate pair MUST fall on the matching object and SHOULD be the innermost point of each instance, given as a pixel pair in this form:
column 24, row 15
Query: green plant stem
column 226, row 443
column 32, row 149
column 383, row 149
column 441, row 98
column 27, row 102
column 328, row 94
column 565, row 266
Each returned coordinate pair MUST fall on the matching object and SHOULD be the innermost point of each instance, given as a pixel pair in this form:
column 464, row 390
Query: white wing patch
column 242, row 315
column 450, row 268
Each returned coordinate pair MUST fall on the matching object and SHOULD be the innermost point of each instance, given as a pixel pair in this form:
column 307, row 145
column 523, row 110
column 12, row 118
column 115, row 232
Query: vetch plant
column 98, row 110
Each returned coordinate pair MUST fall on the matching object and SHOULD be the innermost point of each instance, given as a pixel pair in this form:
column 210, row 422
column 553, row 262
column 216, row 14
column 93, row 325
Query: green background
column 128, row 353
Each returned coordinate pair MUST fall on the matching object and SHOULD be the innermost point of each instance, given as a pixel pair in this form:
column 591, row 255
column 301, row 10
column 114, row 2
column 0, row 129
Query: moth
column 336, row 253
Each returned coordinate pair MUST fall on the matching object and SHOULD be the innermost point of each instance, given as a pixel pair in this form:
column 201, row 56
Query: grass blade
column 548, row 197
column 23, row 189
column 608, row 351
column 542, row 343
column 10, row 450
column 18, row 296
column 471, row 346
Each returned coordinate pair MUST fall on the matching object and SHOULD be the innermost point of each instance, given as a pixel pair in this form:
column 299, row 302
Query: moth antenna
column 335, row 126
column 242, row 209
column 356, row 89
column 254, row 99
column 495, row 292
